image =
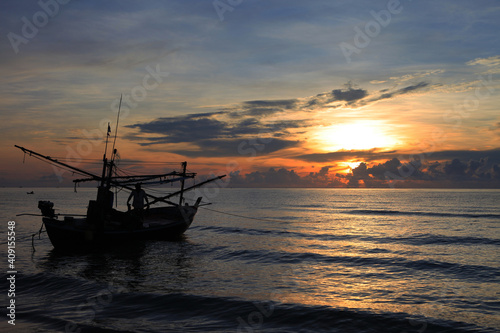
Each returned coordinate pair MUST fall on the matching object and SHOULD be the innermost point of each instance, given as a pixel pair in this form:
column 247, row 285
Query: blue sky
column 213, row 57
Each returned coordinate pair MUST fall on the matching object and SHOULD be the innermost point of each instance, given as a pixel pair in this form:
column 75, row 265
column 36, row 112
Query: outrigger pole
column 94, row 177
column 142, row 179
column 80, row 171
column 187, row 189
column 115, row 183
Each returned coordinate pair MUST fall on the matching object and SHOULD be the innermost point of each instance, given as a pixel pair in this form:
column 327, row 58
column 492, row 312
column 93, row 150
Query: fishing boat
column 104, row 225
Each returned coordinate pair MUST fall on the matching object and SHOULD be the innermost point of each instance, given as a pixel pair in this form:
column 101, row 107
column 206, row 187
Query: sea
column 266, row 260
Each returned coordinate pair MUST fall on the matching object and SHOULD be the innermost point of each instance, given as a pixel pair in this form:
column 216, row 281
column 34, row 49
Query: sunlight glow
column 351, row 165
column 358, row 135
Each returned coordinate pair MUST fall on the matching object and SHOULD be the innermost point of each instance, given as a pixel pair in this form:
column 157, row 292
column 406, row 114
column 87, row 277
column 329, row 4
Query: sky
column 272, row 93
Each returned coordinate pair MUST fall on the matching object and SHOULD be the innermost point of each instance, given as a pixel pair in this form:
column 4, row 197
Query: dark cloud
column 416, row 173
column 482, row 172
column 493, row 155
column 357, row 97
column 215, row 134
column 342, row 155
column 496, row 172
column 198, row 127
column 284, row 103
column 271, row 178
column 281, row 177
column 408, row 89
column 379, row 171
column 257, row 112
column 349, row 94
column 455, row 169
column 237, row 147
column 183, row 129
column 261, row 108
column 401, row 91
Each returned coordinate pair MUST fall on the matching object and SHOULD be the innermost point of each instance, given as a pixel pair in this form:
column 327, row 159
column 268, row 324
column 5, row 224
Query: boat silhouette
column 104, row 225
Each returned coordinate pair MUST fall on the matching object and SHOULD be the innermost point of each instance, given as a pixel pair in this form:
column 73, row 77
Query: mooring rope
column 33, row 237
column 256, row 218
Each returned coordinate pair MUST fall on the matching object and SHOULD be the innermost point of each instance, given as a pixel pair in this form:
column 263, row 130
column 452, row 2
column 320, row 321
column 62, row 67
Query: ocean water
column 270, row 260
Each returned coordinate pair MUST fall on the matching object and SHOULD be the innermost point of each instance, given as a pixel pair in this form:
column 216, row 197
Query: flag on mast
column 109, row 129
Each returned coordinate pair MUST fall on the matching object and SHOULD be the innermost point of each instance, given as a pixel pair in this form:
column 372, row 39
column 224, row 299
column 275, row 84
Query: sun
column 355, row 136
column 351, row 165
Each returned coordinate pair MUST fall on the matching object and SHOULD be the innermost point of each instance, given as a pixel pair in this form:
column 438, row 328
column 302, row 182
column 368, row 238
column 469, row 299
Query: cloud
column 286, row 103
column 225, row 129
column 452, row 168
column 260, row 108
column 378, row 171
column 342, row 155
column 281, row 177
column 493, row 155
column 377, row 81
column 349, row 95
column 417, row 75
column 479, row 172
column 495, row 128
column 402, row 91
column 196, row 127
column 490, row 65
column 493, row 61
column 183, row 129
column 274, row 177
column 235, row 147
column 456, row 173
column 221, row 133
column 356, row 97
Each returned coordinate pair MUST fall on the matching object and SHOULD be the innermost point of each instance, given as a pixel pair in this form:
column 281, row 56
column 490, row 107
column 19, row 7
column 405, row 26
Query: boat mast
column 104, row 159
column 113, row 151
column 110, row 165
column 184, row 165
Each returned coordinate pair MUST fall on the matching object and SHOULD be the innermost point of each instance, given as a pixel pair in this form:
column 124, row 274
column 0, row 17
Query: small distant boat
column 30, row 192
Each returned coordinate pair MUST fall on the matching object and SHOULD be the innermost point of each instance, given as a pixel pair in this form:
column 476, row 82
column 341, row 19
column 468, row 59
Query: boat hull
column 164, row 223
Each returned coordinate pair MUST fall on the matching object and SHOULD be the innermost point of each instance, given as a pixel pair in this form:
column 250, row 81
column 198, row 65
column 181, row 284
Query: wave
column 474, row 273
column 418, row 239
column 436, row 214
column 96, row 307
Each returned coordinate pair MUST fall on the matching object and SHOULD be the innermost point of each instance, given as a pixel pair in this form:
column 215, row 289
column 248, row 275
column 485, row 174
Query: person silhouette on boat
column 139, row 196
